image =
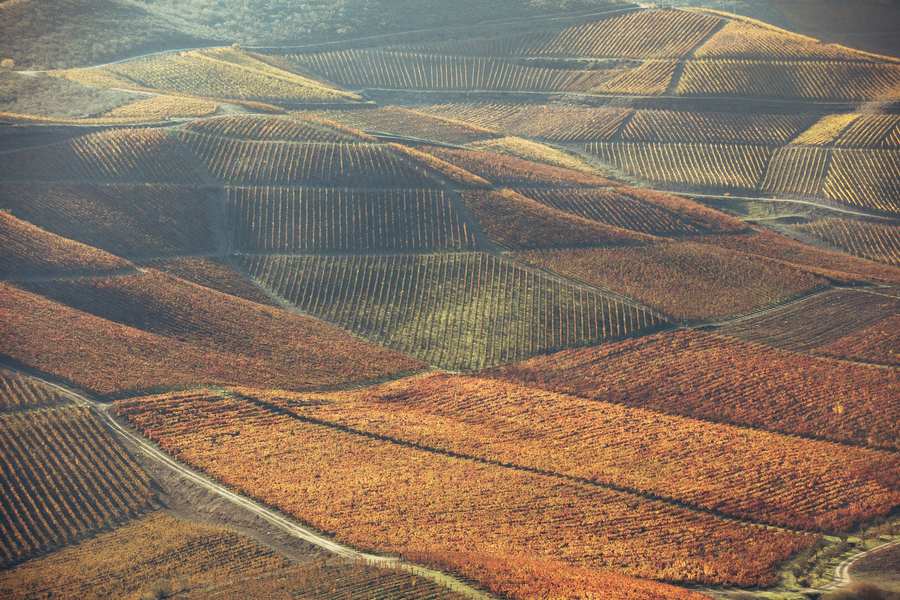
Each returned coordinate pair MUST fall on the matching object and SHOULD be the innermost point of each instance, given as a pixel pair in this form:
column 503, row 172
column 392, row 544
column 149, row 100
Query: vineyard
column 29, row 250
column 739, row 39
column 865, row 179
column 796, row 171
column 817, row 321
column 20, row 392
column 809, row 80
column 515, row 221
column 115, row 355
column 833, row 265
column 711, row 127
column 137, row 556
column 127, row 220
column 163, row 108
column 685, row 280
column 212, row 273
column 414, row 123
column 276, row 129
column 553, row 122
column 725, row 380
column 270, row 219
column 407, row 71
column 825, row 130
column 457, row 311
column 63, row 477
column 117, row 155
column 872, row 131
column 775, row 479
column 506, row 170
column 877, row 343
column 716, row 166
column 634, row 209
column 650, row 78
column 314, row 163
column 875, row 241
column 216, row 73
column 383, row 494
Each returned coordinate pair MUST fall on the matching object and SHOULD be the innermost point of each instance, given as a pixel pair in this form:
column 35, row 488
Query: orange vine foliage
column 722, row 379
column 685, row 280
column 381, row 494
column 154, row 330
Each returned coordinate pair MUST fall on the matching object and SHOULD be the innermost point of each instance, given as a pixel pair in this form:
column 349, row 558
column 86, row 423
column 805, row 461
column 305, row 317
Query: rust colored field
column 153, row 330
column 685, row 280
column 413, row 123
column 878, row 343
column 817, row 321
column 875, row 241
column 63, row 477
column 518, row 222
column 380, row 494
column 726, row 380
column 833, row 265
column 127, row 220
column 751, row 474
column 639, row 210
column 213, row 273
column 502, row 169
column 21, row 392
column 28, row 250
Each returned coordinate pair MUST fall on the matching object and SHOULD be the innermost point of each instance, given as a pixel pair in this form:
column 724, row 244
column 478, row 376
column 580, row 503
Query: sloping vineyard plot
column 271, row 219
column 128, row 220
column 162, row 108
column 457, row 311
column 685, row 280
column 314, row 163
column 119, row 155
column 826, row 129
column 809, row 80
column 878, row 343
column 817, row 321
column 517, row 222
column 133, row 560
column 752, row 474
column 872, row 131
column 385, row 495
column 63, row 476
column 796, row 171
column 216, row 73
column 553, row 122
column 201, row 337
column 876, row 241
column 511, row 171
column 865, row 179
column 403, row 70
column 717, row 166
column 634, row 209
column 711, row 127
column 739, row 39
column 27, row 250
column 21, row 392
column 722, row 379
column 767, row 244
column 413, row 123
column 650, row 78
column 276, row 129
column 638, row 34
column 214, row 273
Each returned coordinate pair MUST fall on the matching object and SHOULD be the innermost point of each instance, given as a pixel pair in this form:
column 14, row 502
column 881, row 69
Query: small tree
column 7, row 64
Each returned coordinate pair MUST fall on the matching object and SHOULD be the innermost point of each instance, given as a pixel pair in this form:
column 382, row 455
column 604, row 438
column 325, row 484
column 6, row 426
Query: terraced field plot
column 685, row 280
column 722, row 379
column 63, row 477
column 21, row 392
column 711, row 127
column 149, row 330
column 286, row 220
column 458, row 311
column 777, row 479
column 872, row 240
column 381, row 494
column 412, row 122
column 818, row 321
column 276, row 129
